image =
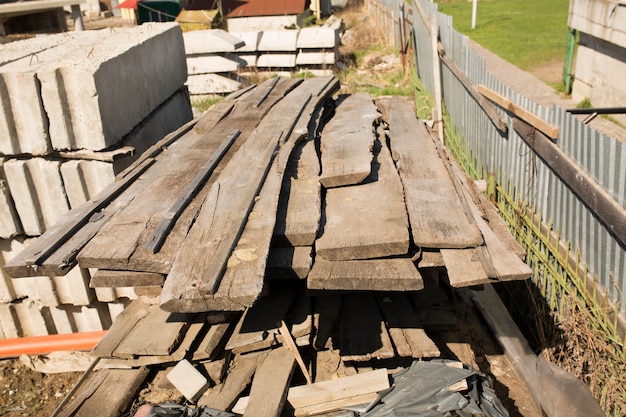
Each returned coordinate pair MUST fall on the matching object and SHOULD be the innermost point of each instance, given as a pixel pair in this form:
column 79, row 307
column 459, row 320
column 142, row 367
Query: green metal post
column 569, row 59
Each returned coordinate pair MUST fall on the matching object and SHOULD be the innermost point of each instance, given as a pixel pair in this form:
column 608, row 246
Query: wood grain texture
column 225, row 395
column 540, row 124
column 368, row 220
column 399, row 274
column 271, row 384
column 437, row 216
column 464, row 267
column 347, row 140
column 608, row 211
column 231, row 275
column 331, row 395
column 120, row 245
column 300, row 204
column 114, row 279
column 405, row 329
column 116, row 388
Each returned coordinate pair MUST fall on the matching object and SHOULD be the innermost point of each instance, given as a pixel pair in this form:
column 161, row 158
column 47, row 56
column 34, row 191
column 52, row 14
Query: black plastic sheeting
column 422, row 390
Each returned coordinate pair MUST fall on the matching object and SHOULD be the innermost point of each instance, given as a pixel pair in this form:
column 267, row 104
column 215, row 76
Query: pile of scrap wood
column 280, row 221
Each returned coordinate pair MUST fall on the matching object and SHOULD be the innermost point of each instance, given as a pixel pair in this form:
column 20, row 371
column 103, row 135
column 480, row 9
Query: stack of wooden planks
column 282, row 229
column 282, row 181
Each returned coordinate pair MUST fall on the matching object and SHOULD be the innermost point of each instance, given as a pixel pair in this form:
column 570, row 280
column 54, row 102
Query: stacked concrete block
column 75, row 110
column 37, row 190
column 318, row 46
column 248, row 52
column 211, row 61
column 277, row 49
column 9, row 220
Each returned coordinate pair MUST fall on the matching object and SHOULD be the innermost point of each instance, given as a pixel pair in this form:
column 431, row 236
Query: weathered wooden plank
column 122, row 325
column 464, row 267
column 181, row 352
column 405, row 329
column 233, row 195
column 260, row 322
column 289, row 262
column 326, row 396
column 113, row 279
column 397, row 274
column 608, row 211
column 165, row 225
column 503, row 262
column 538, row 123
column 143, row 330
column 437, row 216
column 116, row 388
column 347, row 140
column 271, row 384
column 224, row 396
column 363, row 335
column 120, row 245
column 300, row 204
column 360, row 226
column 214, row 340
column 244, row 277
column 260, row 329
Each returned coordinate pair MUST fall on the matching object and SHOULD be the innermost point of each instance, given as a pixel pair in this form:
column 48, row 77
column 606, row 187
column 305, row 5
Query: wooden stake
column 291, row 345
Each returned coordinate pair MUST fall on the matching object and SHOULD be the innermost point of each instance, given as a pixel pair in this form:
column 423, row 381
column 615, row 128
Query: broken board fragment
column 368, row 220
column 347, row 140
column 399, row 274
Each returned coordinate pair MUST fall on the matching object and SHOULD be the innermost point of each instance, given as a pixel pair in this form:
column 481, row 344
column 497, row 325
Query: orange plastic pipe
column 39, row 345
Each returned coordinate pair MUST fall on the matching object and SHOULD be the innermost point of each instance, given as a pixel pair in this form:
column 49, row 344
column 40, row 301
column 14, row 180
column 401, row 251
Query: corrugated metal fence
column 519, row 173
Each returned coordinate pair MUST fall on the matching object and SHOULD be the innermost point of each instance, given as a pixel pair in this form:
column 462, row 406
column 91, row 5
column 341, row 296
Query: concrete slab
column 15, row 50
column 276, row 60
column 251, row 40
column 317, row 57
column 279, row 40
column 8, row 326
column 24, row 125
column 13, row 289
column 249, row 59
column 23, row 121
column 9, row 221
column 31, row 318
column 211, row 63
column 169, row 116
column 63, row 322
column 83, row 180
column 318, row 37
column 213, row 84
column 38, row 192
column 116, row 308
column 210, row 41
column 73, row 288
column 112, row 88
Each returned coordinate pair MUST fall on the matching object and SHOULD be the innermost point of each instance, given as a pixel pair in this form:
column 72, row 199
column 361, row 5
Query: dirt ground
column 28, row 393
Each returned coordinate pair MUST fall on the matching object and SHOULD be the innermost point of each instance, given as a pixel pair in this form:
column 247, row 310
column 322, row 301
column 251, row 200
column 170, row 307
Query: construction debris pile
column 68, row 126
column 280, row 222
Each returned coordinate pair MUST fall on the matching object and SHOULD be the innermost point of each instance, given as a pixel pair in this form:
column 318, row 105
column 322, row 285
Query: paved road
column 536, row 90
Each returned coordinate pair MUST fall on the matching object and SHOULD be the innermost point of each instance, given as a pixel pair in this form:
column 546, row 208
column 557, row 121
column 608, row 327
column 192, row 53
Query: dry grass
column 599, row 363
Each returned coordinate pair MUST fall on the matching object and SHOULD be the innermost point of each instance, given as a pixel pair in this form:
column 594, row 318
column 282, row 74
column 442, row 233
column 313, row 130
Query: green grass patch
column 528, row 33
column 203, row 104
